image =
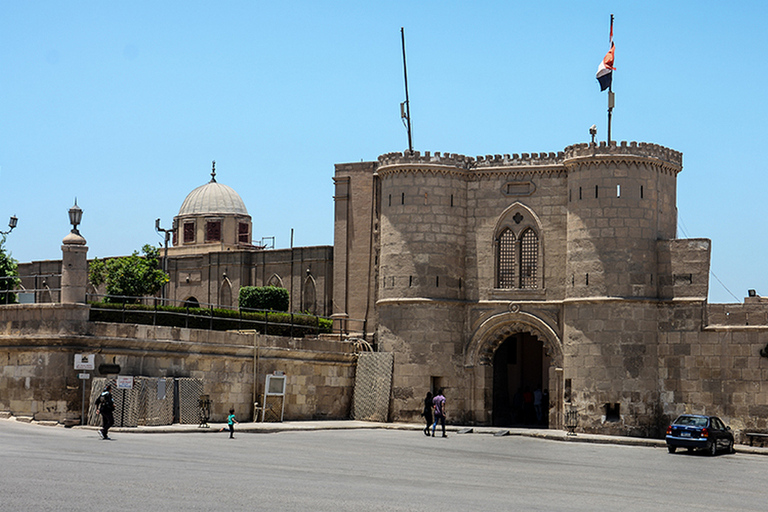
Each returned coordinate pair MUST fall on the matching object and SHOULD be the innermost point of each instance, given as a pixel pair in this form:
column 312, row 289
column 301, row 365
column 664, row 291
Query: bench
column 756, row 436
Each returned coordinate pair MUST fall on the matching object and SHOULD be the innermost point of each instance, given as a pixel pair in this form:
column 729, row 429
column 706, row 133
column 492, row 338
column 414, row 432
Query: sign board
column 85, row 361
column 84, row 376
column 124, row 382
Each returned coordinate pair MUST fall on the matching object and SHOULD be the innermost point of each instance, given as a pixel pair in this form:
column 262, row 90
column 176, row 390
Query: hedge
column 269, row 322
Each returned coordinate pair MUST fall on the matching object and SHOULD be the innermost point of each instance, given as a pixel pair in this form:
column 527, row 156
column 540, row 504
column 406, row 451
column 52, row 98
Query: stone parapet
column 641, row 149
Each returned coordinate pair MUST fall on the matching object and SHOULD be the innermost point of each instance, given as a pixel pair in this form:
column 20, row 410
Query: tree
column 129, row 278
column 8, row 271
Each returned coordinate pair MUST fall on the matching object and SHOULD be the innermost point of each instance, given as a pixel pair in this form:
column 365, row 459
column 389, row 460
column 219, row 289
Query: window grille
column 242, row 234
column 528, row 259
column 213, row 231
column 506, row 277
column 189, row 232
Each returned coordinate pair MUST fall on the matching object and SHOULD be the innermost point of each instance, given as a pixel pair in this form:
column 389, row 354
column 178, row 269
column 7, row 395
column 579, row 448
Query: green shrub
column 263, row 298
column 265, row 322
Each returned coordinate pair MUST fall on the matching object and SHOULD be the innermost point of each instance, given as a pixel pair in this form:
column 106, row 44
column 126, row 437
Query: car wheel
column 671, row 449
column 713, row 448
column 731, row 449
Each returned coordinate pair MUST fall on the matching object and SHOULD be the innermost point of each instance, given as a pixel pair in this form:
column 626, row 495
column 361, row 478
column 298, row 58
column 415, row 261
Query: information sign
column 124, row 382
column 85, row 361
column 84, row 376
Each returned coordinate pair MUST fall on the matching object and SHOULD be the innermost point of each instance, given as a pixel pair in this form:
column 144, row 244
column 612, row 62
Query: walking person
column 427, row 413
column 538, row 405
column 106, row 407
column 438, row 402
column 231, row 424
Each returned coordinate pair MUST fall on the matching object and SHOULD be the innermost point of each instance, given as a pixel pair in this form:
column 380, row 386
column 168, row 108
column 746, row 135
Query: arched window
column 308, row 300
column 506, row 274
column 529, row 255
column 276, row 281
column 225, row 293
column 518, row 249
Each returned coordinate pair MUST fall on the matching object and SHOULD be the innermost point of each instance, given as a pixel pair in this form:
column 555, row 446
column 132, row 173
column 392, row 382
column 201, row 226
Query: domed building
column 212, row 256
column 212, row 218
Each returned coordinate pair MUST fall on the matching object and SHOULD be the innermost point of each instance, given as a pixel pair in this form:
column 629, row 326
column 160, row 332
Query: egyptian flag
column 605, row 69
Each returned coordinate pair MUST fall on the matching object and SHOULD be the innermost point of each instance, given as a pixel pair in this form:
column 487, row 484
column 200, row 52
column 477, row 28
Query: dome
column 213, row 197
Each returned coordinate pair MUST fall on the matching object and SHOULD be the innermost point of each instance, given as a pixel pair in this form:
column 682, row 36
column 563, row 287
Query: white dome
column 213, row 197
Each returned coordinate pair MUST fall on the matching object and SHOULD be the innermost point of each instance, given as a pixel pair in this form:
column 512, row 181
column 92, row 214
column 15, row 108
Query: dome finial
column 213, row 172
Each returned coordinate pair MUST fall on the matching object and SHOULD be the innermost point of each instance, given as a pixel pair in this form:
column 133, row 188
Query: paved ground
column 339, row 466
column 307, row 426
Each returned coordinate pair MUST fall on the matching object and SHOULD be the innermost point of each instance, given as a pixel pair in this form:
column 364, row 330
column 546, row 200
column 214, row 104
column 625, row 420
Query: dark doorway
column 191, row 303
column 520, row 381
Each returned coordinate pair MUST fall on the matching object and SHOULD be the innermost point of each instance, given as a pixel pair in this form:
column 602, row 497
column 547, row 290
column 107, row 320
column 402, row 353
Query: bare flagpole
column 610, row 92
column 405, row 108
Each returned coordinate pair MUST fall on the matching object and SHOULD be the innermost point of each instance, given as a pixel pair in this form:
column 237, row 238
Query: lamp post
column 11, row 224
column 74, row 262
column 167, row 233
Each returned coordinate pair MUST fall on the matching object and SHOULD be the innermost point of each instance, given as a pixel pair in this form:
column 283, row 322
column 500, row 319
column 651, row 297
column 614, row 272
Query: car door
column 718, row 431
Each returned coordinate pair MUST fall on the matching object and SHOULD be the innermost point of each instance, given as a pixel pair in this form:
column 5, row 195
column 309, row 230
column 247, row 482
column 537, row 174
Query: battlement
column 643, row 149
column 584, row 150
column 415, row 157
column 467, row 162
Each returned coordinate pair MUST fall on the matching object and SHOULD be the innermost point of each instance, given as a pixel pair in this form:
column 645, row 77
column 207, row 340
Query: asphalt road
column 49, row 468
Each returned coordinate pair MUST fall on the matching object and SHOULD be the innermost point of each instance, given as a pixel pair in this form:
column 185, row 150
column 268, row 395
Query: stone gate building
column 494, row 275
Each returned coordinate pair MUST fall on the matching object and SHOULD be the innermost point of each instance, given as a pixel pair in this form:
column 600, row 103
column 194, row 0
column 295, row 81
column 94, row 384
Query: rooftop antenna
column 405, row 107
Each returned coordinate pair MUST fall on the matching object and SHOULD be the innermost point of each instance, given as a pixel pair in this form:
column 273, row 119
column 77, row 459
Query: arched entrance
column 512, row 350
column 521, row 382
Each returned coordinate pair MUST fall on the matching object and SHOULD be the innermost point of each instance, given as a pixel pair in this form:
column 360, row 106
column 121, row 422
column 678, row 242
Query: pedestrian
column 438, row 404
column 538, row 404
column 106, row 407
column 427, row 412
column 231, row 424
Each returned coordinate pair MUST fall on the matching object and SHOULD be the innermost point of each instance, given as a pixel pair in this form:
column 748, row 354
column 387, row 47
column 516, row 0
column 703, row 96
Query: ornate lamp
column 11, row 224
column 75, row 216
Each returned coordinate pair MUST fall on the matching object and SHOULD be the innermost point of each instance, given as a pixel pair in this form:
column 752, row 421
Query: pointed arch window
column 507, row 260
column 518, row 250
column 529, row 255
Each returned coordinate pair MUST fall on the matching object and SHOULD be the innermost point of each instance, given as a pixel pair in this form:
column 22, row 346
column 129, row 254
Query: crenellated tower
column 423, row 219
column 621, row 201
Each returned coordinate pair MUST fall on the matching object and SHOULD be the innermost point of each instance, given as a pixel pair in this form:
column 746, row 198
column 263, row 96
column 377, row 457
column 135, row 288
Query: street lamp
column 75, row 216
column 167, row 233
column 11, row 224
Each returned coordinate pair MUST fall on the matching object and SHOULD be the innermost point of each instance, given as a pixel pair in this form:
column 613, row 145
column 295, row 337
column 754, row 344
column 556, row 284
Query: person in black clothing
column 427, row 413
column 106, row 407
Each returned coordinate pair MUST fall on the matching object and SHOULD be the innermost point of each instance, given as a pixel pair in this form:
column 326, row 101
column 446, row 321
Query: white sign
column 84, row 376
column 85, row 361
column 124, row 382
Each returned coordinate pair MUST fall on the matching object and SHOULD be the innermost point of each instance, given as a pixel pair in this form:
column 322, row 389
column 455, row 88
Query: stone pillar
column 74, row 268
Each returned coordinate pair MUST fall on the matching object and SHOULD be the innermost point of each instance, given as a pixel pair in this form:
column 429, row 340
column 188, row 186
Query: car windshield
column 692, row 421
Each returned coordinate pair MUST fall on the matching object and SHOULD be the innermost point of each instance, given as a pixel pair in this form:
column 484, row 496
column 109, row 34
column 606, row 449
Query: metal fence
column 152, row 401
column 46, row 288
column 31, row 289
column 168, row 312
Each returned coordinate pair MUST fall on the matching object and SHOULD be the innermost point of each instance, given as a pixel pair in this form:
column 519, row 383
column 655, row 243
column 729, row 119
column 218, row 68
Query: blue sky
column 125, row 104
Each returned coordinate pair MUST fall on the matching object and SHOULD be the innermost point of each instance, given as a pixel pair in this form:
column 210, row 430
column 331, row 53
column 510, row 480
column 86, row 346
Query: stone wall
column 38, row 343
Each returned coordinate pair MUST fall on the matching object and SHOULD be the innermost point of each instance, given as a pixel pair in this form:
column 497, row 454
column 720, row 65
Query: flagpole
column 407, row 113
column 610, row 92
